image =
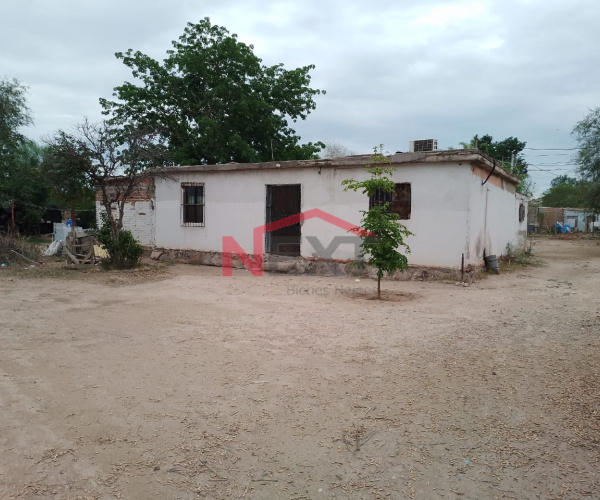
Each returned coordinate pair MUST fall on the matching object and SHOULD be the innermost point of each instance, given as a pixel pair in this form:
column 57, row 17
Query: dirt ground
column 183, row 384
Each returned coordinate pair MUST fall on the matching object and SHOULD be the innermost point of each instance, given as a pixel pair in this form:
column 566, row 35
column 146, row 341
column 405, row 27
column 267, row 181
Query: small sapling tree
column 382, row 235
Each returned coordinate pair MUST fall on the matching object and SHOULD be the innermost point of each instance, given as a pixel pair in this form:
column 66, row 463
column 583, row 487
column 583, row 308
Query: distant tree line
column 587, row 134
column 583, row 189
column 27, row 188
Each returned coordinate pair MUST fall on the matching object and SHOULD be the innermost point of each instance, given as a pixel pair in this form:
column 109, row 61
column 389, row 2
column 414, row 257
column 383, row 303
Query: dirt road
column 198, row 386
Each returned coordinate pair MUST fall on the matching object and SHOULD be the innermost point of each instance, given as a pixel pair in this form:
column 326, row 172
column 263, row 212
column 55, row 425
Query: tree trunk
column 108, row 209
column 12, row 211
column 73, row 240
column 378, row 285
column 119, row 222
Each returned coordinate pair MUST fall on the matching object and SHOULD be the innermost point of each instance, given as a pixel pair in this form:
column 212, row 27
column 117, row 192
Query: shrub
column 522, row 257
column 124, row 252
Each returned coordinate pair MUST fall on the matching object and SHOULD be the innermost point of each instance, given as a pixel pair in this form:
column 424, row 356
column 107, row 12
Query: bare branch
column 118, row 159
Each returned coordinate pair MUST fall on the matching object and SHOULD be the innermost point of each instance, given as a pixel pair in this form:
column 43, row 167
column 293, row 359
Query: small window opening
column 399, row 201
column 192, row 204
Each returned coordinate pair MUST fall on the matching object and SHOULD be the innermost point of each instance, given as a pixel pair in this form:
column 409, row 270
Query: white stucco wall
column 493, row 219
column 139, row 218
column 235, row 204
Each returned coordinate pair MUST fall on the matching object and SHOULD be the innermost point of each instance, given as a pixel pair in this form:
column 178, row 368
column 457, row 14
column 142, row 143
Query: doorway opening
column 283, row 200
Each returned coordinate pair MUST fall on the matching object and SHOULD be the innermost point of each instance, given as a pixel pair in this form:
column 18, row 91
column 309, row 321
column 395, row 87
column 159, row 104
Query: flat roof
column 446, row 156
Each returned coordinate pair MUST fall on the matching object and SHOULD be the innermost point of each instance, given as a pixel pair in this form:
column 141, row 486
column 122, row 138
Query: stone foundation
column 315, row 266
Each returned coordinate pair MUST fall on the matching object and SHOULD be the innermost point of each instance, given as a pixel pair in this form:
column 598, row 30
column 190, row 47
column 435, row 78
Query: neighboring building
column 455, row 202
column 578, row 219
column 543, row 219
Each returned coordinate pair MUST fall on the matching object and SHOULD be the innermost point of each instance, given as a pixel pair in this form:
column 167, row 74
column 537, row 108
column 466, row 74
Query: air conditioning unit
column 422, row 146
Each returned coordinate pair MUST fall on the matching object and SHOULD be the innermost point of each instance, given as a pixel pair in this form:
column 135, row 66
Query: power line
column 549, row 176
column 551, row 154
column 552, row 149
column 553, row 164
column 549, row 167
column 552, row 170
column 559, row 162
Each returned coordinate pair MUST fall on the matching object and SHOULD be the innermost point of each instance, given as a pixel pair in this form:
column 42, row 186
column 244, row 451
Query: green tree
column 25, row 184
column 509, row 153
column 563, row 179
column 21, row 181
column 215, row 101
column 67, row 170
column 14, row 114
column 565, row 191
column 119, row 161
column 587, row 134
column 382, row 234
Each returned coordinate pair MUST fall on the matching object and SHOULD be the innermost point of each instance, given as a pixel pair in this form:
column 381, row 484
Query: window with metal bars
column 192, row 204
column 399, row 201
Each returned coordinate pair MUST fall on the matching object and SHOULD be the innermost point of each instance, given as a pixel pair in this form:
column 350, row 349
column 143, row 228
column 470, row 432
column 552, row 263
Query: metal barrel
column 491, row 262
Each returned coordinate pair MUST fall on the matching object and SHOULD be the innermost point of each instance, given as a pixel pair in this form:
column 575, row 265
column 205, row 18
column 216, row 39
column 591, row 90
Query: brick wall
column 142, row 192
column 139, row 218
column 545, row 217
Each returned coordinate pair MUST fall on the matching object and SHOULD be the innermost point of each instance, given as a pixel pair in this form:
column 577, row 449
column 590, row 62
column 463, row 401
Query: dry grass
column 56, row 268
column 18, row 250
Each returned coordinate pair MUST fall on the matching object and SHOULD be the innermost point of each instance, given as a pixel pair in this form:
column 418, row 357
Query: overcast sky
column 394, row 71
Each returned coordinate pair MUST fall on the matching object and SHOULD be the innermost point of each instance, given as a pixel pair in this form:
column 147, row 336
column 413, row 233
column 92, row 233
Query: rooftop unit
column 423, row 145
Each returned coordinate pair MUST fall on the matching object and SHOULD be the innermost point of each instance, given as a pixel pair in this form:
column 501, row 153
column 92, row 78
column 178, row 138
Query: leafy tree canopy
column 14, row 114
column 66, row 168
column 566, row 191
column 502, row 151
column 564, row 179
column 24, row 183
column 21, row 179
column 214, row 100
column 587, row 134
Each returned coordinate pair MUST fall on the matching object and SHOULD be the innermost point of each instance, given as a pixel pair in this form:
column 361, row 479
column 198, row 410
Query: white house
column 454, row 202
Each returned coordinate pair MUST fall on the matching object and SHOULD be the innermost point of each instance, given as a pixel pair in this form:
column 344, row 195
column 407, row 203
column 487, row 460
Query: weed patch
column 18, row 250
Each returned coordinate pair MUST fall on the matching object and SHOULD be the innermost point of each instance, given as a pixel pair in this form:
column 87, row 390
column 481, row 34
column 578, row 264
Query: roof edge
column 444, row 156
